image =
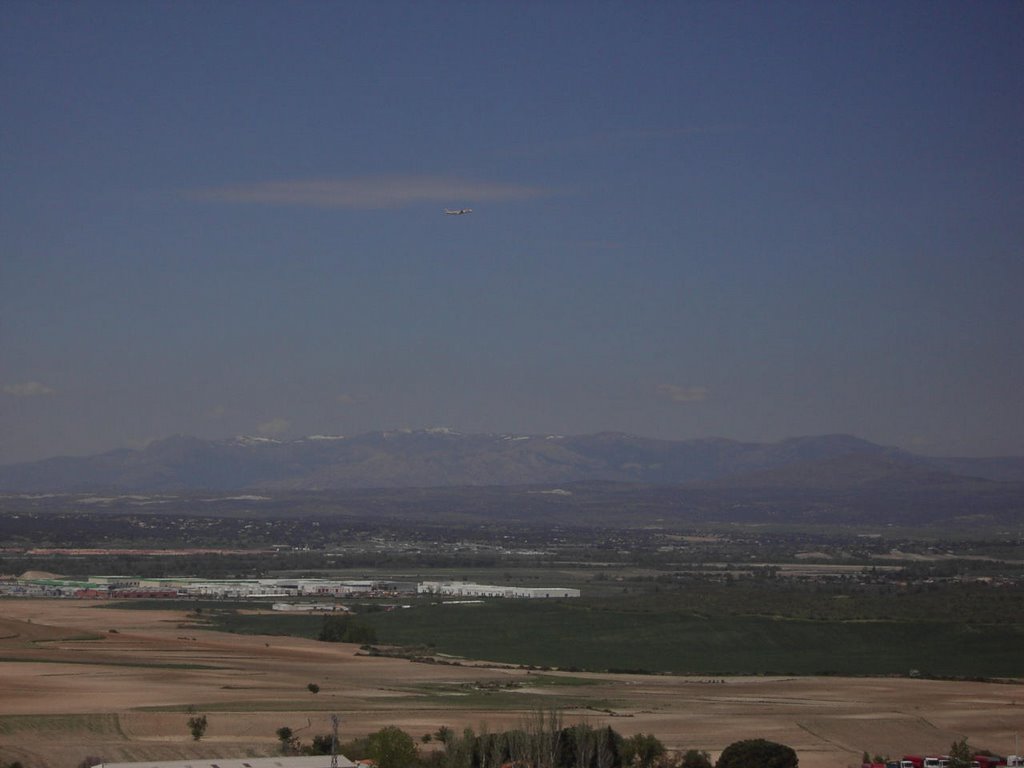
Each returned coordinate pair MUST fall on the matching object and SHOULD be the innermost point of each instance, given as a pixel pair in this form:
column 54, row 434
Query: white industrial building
column 276, row 588
column 468, row 589
column 279, row 589
column 308, row 607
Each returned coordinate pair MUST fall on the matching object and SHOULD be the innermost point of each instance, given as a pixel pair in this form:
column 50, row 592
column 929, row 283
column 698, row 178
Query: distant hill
column 443, row 458
column 852, row 471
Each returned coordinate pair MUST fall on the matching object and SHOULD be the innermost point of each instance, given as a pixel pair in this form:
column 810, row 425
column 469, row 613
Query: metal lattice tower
column 334, row 742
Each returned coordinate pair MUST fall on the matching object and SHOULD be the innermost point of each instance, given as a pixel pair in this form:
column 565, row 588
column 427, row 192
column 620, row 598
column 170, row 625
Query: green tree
column 960, row 754
column 493, row 749
column 459, row 751
column 579, row 746
column 757, row 753
column 391, row 747
column 313, row 688
column 355, row 749
column 197, row 726
column 287, row 738
column 695, row 759
column 543, row 728
column 609, row 748
column 321, row 745
column 642, row 750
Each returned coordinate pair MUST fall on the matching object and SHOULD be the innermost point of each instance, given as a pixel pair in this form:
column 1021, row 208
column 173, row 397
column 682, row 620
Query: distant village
column 321, row 590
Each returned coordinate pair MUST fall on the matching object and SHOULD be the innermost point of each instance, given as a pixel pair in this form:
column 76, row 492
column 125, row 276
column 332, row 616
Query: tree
column 696, row 759
column 321, row 745
column 757, row 753
column 313, row 688
column 960, row 754
column 517, row 745
column 391, row 747
column 287, row 738
column 197, row 726
column 355, row 749
column 583, row 739
column 459, row 751
column 493, row 750
column 642, row 750
column 609, row 748
column 543, row 728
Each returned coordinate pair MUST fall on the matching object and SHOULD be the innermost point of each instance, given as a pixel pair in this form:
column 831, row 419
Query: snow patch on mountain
column 254, row 440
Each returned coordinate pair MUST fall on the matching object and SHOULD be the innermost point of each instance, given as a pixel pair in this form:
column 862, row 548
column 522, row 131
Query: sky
column 690, row 219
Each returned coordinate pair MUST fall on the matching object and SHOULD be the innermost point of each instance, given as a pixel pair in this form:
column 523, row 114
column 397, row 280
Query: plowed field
column 79, row 680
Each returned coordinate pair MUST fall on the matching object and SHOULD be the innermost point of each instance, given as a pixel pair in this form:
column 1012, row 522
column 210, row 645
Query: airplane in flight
column 459, row 212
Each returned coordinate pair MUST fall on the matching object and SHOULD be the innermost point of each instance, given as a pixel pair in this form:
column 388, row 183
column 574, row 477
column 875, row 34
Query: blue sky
column 691, row 219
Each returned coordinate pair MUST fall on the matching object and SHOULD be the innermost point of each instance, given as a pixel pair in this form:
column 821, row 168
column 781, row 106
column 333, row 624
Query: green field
column 572, row 636
column 105, row 725
column 714, row 630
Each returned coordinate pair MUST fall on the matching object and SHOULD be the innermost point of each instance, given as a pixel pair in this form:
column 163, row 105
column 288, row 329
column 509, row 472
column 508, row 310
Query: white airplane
column 459, row 212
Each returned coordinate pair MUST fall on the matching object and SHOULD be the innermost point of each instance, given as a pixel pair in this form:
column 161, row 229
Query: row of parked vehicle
column 942, row 761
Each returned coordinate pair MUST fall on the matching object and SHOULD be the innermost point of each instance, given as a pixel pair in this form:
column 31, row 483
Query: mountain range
column 445, row 458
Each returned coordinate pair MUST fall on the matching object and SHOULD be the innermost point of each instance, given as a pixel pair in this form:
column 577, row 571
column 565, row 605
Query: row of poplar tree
column 542, row 742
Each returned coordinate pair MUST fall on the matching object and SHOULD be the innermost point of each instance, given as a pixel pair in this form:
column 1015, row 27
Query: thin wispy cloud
column 28, row 389
column 677, row 394
column 369, row 192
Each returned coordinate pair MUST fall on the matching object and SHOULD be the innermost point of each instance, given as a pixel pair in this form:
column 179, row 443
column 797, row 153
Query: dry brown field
column 77, row 680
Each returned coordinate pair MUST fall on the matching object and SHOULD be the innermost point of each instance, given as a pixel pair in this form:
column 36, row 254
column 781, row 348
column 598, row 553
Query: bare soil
column 78, row 680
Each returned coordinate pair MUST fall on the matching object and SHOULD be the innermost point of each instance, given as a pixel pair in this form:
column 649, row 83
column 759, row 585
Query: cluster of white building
column 242, row 589
column 127, row 587
column 278, row 588
column 468, row 589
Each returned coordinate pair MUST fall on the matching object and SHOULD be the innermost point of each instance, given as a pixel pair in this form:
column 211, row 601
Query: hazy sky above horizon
column 738, row 219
